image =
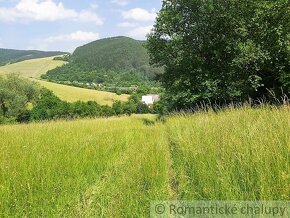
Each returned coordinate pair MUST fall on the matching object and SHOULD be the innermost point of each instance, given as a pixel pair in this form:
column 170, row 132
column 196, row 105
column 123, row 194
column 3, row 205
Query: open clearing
column 115, row 167
column 32, row 68
column 73, row 94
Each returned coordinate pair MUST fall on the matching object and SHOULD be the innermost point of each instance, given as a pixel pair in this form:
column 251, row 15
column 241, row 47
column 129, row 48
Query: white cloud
column 88, row 16
column 46, row 10
column 94, row 5
column 140, row 32
column 76, row 36
column 64, row 42
column 127, row 25
column 138, row 21
column 139, row 14
column 120, row 2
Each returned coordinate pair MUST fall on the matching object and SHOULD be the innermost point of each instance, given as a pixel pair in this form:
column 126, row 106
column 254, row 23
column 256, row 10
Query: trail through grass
column 115, row 167
column 81, row 168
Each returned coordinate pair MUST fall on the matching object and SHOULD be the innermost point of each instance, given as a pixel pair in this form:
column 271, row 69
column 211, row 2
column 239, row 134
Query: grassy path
column 82, row 168
column 134, row 178
column 115, row 167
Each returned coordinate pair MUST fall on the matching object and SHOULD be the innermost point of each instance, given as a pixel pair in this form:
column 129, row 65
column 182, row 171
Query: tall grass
column 237, row 154
column 115, row 167
column 81, row 168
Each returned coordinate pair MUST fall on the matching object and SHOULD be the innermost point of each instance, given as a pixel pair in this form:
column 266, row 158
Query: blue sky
column 65, row 24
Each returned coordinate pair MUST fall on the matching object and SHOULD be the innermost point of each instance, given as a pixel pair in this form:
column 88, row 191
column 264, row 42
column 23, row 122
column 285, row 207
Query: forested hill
column 117, row 61
column 11, row 56
column 112, row 53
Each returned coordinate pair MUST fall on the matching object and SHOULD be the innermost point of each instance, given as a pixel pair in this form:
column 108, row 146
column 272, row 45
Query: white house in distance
column 150, row 99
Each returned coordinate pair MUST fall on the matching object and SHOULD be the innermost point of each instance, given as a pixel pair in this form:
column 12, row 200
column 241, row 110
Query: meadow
column 114, row 167
column 73, row 94
column 32, row 68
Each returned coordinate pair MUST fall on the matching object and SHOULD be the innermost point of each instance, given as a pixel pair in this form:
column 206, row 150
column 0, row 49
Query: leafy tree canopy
column 15, row 96
column 227, row 50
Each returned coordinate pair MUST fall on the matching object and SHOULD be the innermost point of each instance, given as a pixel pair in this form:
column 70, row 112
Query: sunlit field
column 32, row 68
column 73, row 94
column 114, row 167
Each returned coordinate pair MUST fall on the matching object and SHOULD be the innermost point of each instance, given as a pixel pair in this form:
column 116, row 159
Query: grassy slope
column 115, row 167
column 36, row 67
column 72, row 94
column 13, row 56
column 32, row 68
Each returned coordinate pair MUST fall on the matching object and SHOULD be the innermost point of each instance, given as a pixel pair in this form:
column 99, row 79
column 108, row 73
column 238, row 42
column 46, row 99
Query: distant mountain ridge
column 12, row 56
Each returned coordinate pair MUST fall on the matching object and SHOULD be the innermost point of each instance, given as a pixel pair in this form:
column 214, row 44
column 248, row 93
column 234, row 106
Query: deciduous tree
column 221, row 51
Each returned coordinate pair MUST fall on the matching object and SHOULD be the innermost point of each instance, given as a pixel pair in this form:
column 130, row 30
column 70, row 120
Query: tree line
column 106, row 78
column 24, row 101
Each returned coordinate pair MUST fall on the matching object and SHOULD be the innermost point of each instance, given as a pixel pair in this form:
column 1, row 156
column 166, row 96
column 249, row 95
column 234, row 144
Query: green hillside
column 118, row 61
column 112, row 53
column 12, row 56
column 116, row 167
column 32, row 68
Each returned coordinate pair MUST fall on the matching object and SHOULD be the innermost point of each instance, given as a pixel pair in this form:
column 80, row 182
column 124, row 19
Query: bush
column 23, row 117
column 15, row 94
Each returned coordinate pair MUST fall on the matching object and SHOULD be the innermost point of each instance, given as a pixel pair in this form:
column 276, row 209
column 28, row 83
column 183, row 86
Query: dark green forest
column 109, row 78
column 8, row 56
column 111, row 62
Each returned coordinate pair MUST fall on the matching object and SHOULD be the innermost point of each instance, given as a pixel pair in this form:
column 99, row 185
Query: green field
column 115, row 167
column 32, row 68
column 72, row 94
column 35, row 68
